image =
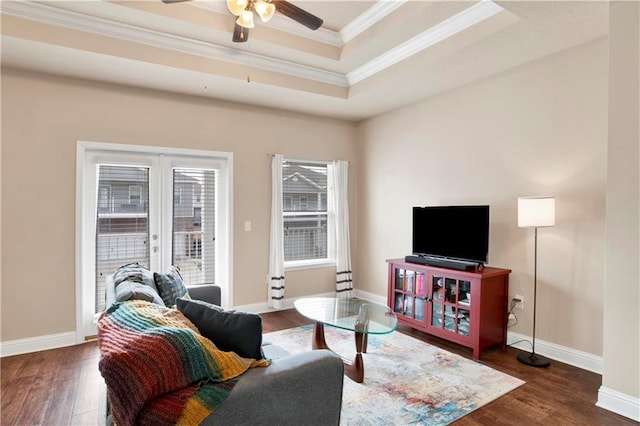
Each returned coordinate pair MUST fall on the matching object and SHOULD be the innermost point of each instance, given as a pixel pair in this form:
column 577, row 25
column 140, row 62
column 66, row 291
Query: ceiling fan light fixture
column 264, row 9
column 245, row 19
column 237, row 6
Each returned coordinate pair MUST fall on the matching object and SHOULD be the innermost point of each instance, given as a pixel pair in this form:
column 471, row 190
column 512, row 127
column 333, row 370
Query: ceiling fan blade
column 297, row 14
column 240, row 34
column 173, row 1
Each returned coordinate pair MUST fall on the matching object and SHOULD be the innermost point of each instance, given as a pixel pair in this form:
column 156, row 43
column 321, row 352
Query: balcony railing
column 305, row 242
column 117, row 249
column 116, row 207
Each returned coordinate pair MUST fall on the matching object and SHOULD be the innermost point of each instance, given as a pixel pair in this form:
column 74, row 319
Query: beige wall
column 43, row 117
column 622, row 298
column 539, row 129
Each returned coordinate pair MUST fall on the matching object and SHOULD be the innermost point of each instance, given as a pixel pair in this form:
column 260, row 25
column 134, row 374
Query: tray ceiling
column 368, row 57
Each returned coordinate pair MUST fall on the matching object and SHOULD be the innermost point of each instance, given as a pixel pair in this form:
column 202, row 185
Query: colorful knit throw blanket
column 159, row 369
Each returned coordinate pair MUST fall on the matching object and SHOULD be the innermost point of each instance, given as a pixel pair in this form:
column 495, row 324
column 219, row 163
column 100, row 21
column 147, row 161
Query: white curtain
column 276, row 244
column 344, row 283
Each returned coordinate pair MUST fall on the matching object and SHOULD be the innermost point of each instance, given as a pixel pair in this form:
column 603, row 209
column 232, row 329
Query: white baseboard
column 360, row 294
column 260, row 308
column 570, row 356
column 35, row 344
column 619, row 403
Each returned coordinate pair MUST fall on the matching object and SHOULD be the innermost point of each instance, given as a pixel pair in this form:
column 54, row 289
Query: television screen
column 456, row 232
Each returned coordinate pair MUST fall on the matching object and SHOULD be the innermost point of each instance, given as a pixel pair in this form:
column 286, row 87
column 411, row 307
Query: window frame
column 330, row 260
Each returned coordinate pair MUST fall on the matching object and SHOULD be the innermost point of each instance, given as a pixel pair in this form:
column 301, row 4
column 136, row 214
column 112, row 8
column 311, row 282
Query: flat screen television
column 453, row 232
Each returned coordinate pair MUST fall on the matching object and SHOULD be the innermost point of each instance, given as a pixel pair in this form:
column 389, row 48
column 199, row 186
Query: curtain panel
column 344, row 280
column 276, row 243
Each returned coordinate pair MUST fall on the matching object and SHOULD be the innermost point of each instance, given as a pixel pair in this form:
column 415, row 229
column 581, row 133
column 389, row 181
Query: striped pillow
column 170, row 286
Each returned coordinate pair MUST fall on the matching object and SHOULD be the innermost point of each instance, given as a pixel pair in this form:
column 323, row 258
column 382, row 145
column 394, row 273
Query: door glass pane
column 194, row 224
column 419, row 309
column 436, row 315
column 399, row 279
column 408, row 306
column 436, row 289
column 421, row 288
column 463, row 322
column 410, row 281
column 398, row 303
column 122, row 229
column 451, row 289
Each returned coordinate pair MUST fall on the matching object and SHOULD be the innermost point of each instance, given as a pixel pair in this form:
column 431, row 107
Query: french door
column 156, row 209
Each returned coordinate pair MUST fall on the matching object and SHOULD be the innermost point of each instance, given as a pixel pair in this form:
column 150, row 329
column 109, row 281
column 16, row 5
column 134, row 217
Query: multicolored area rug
column 406, row 381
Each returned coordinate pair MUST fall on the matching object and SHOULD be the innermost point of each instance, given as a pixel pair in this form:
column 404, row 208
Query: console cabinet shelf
column 468, row 308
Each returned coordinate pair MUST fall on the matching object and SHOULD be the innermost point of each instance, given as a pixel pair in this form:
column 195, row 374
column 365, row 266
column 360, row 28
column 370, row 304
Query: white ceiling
column 368, row 57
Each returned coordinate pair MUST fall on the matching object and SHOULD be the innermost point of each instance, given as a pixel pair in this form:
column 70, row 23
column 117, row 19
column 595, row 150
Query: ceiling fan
column 265, row 9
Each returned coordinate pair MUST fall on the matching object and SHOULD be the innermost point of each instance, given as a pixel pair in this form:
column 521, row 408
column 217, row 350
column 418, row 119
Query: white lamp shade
column 245, row 20
column 536, row 212
column 237, row 6
column 264, row 10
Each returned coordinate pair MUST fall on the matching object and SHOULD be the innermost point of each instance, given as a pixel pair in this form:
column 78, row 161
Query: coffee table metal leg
column 353, row 370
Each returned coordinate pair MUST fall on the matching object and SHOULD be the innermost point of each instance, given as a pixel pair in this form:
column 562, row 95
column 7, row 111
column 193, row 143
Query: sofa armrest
column 301, row 389
column 206, row 292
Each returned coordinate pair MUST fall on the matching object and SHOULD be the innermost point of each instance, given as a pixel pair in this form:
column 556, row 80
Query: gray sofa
column 302, row 389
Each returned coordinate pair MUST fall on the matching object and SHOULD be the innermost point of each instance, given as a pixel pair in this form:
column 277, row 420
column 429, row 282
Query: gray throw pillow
column 170, row 286
column 239, row 332
column 136, row 273
column 129, row 290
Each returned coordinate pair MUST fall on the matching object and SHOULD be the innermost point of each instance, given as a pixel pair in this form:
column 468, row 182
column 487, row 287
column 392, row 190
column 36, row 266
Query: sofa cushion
column 129, row 290
column 239, row 332
column 170, row 286
column 136, row 273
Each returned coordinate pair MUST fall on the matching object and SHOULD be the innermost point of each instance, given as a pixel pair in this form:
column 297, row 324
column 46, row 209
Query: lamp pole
column 535, row 288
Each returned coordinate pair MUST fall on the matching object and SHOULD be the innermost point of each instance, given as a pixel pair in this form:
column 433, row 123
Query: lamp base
column 533, row 359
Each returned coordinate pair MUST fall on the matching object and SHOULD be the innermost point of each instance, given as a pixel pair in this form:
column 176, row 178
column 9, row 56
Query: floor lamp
column 535, row 212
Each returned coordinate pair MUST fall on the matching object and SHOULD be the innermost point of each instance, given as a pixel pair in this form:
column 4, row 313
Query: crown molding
column 375, row 13
column 457, row 23
column 79, row 21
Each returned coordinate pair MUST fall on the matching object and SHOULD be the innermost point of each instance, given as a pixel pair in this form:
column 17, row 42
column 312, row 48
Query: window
column 306, row 218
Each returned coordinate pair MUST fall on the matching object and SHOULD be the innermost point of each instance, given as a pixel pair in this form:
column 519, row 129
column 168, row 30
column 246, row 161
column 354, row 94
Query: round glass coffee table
column 357, row 315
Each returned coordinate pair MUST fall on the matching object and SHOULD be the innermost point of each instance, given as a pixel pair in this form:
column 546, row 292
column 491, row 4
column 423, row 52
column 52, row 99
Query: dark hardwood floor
column 63, row 387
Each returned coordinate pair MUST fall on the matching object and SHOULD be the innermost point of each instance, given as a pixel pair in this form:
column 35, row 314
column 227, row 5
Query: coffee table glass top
column 349, row 314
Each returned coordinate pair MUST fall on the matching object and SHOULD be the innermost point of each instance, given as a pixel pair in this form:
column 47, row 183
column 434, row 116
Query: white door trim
column 84, row 250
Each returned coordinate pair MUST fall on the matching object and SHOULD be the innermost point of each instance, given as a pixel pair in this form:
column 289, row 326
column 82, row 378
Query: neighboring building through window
column 305, row 211
column 135, row 194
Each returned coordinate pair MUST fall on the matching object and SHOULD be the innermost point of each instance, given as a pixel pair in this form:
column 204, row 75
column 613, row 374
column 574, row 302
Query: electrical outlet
column 520, row 301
